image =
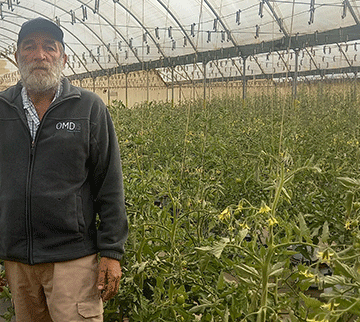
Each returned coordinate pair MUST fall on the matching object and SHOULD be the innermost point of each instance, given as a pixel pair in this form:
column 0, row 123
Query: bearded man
column 61, row 190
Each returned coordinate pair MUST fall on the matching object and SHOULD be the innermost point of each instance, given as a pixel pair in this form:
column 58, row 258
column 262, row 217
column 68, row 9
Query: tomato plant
column 238, row 210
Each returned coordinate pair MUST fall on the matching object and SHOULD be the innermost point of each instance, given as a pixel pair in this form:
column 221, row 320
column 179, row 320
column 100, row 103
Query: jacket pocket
column 55, row 215
column 91, row 308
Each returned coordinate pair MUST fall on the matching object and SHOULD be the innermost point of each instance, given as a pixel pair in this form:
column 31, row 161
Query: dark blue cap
column 40, row 24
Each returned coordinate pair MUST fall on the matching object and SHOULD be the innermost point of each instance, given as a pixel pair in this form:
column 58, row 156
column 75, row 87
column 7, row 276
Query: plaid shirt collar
column 30, row 110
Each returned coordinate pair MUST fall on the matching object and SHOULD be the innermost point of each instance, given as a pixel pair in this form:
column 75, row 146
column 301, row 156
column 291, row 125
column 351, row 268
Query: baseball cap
column 40, row 24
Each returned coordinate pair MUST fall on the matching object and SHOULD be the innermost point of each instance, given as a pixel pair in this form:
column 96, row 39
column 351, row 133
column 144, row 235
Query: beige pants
column 55, row 292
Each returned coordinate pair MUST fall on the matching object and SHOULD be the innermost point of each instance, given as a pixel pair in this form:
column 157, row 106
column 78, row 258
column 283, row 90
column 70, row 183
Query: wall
column 142, row 86
column 137, row 87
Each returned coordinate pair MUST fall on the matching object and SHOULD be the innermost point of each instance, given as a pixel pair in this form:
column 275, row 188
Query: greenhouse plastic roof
column 103, row 35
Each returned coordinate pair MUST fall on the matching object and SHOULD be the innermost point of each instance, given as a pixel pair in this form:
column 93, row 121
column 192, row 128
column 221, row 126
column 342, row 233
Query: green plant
column 237, row 211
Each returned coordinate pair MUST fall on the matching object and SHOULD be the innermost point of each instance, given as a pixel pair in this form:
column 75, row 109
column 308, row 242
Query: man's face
column 41, row 60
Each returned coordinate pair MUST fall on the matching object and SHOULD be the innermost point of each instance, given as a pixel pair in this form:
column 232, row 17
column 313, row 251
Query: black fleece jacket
column 61, row 195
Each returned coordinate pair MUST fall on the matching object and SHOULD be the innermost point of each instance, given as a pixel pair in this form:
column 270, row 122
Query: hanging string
column 291, row 30
column 283, row 105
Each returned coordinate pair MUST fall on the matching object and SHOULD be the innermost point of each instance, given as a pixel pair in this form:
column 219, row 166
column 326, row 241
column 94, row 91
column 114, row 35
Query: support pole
column 295, row 80
column 172, row 86
column 204, row 67
column 108, row 90
column 244, row 78
column 126, row 89
column 167, row 93
column 147, row 86
column 355, row 85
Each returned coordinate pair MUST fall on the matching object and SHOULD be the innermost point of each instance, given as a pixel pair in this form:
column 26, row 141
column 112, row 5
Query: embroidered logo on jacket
column 68, row 126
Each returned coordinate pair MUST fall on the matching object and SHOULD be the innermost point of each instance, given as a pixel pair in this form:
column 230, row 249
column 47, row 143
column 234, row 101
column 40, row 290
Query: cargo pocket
column 91, row 309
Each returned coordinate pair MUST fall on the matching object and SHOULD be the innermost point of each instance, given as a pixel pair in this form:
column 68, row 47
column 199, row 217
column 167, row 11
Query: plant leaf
column 219, row 247
column 216, row 249
column 352, row 305
column 325, row 232
column 349, row 183
column 349, row 202
column 141, row 267
column 247, row 271
column 345, row 270
column 304, row 229
column 221, row 282
column 310, row 301
column 277, row 272
column 242, row 234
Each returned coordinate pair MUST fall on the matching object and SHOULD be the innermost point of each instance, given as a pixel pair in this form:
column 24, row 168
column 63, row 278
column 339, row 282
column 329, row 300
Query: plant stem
column 270, row 251
column 265, row 282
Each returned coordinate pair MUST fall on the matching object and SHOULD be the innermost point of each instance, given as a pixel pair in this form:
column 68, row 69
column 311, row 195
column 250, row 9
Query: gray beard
column 43, row 81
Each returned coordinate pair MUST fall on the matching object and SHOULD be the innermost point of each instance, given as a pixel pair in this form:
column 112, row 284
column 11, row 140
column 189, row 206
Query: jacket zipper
column 28, row 207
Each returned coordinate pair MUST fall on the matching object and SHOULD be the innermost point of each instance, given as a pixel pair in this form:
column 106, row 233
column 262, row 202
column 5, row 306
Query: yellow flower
column 348, row 225
column 272, row 221
column 244, row 226
column 264, row 209
column 225, row 214
column 307, row 274
column 329, row 306
column 326, row 306
column 325, row 256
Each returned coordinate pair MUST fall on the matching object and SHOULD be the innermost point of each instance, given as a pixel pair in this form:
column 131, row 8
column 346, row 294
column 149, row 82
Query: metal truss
column 298, row 42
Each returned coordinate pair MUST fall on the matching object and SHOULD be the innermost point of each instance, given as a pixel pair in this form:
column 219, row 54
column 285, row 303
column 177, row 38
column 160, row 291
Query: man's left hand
column 109, row 277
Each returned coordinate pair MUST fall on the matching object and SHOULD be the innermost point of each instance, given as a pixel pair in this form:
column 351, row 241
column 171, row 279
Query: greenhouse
column 176, row 51
column 238, row 123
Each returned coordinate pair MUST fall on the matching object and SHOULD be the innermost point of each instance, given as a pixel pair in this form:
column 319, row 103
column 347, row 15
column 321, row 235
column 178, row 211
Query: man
column 61, row 191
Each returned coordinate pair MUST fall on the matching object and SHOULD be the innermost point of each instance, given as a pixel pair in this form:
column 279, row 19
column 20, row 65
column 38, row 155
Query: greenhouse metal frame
column 198, row 41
